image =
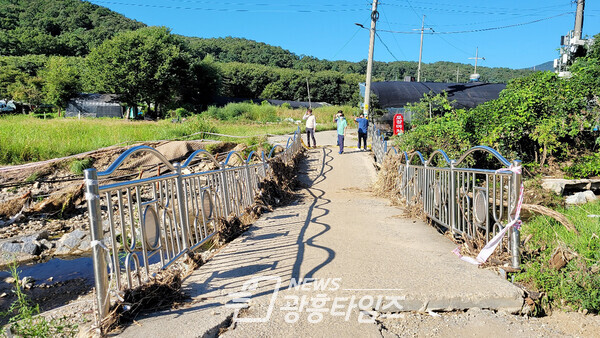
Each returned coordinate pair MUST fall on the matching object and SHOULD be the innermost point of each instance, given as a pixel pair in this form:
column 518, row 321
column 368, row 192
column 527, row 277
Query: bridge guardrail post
column 182, row 206
column 92, row 195
column 225, row 194
column 452, row 203
column 384, row 150
column 424, row 186
column 515, row 233
column 249, row 184
column 407, row 179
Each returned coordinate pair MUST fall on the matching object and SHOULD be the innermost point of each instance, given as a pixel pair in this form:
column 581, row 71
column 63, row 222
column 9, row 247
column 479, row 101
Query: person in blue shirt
column 341, row 129
column 363, row 125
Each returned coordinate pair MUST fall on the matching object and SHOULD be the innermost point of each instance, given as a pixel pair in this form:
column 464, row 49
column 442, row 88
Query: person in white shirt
column 311, row 124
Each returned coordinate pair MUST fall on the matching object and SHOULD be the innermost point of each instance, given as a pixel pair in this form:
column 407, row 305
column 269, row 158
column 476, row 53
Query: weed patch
column 585, row 166
column 25, row 320
column 78, row 166
column 562, row 265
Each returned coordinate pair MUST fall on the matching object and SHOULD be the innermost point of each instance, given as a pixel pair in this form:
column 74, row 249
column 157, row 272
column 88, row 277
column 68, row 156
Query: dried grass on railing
column 228, row 230
column 164, row 291
column 387, row 184
column 471, row 246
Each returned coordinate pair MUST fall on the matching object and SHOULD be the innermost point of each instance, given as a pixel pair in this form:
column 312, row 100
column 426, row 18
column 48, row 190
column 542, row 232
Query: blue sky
column 327, row 30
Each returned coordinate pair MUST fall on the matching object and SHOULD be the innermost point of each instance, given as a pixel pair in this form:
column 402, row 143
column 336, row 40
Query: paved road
column 368, row 262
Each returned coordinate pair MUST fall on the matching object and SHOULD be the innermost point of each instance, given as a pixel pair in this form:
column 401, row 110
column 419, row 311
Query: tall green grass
column 577, row 285
column 244, row 111
column 324, row 115
column 26, row 139
column 247, row 112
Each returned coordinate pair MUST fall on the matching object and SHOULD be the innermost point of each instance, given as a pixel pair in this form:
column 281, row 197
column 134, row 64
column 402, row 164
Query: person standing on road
column 341, row 129
column 363, row 126
column 311, row 125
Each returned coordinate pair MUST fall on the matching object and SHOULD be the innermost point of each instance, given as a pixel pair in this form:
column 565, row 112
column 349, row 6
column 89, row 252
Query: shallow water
column 63, row 269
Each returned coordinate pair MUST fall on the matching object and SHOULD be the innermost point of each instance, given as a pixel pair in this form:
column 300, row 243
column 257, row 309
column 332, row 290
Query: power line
column 347, row 42
column 482, row 29
column 477, row 23
column 413, row 9
column 506, row 9
column 386, row 47
column 229, row 9
column 397, row 44
column 452, row 45
column 247, row 3
column 490, row 11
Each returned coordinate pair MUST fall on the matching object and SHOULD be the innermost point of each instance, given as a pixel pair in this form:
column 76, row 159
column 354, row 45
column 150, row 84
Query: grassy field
column 25, row 138
column 577, row 284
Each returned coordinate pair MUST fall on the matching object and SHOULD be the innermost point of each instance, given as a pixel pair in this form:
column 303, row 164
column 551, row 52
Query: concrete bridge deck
column 368, row 262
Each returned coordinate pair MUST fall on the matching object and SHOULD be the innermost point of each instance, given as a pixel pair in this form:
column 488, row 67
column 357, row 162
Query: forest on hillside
column 54, row 49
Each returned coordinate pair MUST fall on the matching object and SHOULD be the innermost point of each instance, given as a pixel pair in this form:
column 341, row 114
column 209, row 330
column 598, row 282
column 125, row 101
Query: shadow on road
column 275, row 245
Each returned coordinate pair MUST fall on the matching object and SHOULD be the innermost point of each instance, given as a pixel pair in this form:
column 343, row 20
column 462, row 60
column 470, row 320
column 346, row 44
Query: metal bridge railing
column 474, row 202
column 157, row 220
column 378, row 143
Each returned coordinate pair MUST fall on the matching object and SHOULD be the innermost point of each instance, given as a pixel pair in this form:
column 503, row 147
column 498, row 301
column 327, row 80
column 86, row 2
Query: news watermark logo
column 314, row 299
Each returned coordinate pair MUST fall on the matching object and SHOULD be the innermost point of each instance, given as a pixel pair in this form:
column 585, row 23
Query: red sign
column 398, row 124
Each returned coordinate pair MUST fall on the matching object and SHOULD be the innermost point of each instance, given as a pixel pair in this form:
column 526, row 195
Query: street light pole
column 374, row 17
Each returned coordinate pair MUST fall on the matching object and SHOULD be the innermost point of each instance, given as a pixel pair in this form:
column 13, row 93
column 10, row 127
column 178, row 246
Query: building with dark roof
column 394, row 95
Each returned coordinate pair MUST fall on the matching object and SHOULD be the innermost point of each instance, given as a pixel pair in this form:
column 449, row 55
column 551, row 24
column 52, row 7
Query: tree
column 16, row 71
column 140, row 66
column 8, row 75
column 62, row 81
column 202, row 83
column 27, row 89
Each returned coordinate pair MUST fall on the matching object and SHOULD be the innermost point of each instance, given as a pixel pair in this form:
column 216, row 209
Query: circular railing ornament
column 207, row 205
column 480, row 205
column 437, row 194
column 151, row 228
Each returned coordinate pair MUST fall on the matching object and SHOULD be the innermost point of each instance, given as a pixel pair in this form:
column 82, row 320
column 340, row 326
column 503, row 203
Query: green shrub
column 78, row 166
column 244, row 111
column 180, row 113
column 585, row 166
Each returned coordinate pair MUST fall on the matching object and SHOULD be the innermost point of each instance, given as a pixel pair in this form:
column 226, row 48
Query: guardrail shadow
column 276, row 246
column 318, row 203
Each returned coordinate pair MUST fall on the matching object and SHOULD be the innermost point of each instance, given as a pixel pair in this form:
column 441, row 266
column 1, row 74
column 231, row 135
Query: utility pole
column 579, row 20
column 374, row 18
column 572, row 44
column 421, row 49
column 457, row 68
column 476, row 58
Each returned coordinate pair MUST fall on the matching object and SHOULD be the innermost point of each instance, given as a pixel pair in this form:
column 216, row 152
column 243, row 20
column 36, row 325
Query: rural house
column 94, row 105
